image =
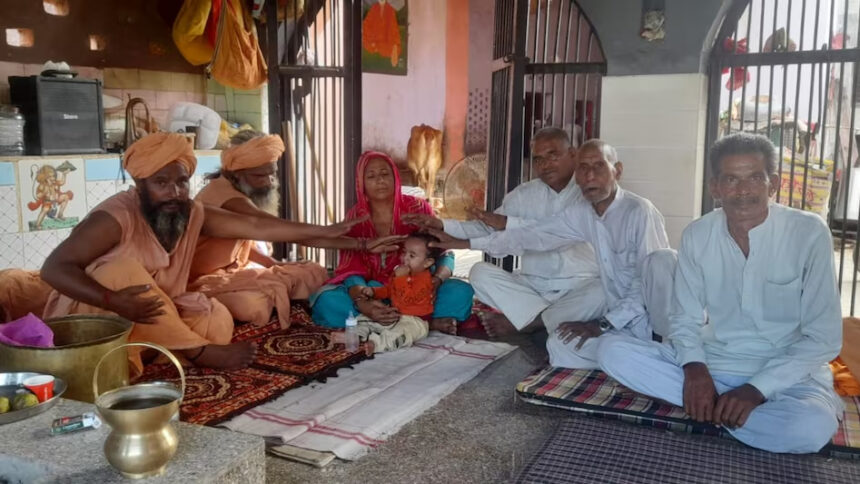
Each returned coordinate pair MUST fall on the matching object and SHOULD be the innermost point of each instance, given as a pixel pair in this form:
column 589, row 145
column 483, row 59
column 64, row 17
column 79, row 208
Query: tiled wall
column 19, row 248
column 160, row 90
column 657, row 124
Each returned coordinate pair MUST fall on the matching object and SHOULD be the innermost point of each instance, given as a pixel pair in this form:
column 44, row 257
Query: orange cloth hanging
column 189, row 29
column 238, row 61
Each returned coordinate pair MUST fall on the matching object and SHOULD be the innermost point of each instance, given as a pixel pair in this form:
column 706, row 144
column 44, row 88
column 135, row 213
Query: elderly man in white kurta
column 558, row 286
column 756, row 316
column 629, row 240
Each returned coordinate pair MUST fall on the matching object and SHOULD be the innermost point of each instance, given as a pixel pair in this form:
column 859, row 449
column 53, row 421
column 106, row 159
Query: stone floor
column 479, row 433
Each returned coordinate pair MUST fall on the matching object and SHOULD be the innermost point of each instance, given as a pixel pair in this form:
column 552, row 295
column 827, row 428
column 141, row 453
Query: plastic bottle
column 351, row 333
column 11, row 131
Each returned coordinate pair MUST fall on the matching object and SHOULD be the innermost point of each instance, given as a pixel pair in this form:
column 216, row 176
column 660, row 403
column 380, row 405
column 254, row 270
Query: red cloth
column 366, row 264
column 413, row 295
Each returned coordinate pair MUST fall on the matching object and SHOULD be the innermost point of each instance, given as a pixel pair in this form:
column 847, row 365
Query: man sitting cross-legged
column 756, row 316
column 628, row 237
column 132, row 254
column 550, row 285
column 247, row 184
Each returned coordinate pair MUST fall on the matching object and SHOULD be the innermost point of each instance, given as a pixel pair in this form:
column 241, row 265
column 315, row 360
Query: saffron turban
column 155, row 151
column 253, row 153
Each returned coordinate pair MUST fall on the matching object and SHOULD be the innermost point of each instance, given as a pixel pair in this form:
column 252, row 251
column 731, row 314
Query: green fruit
column 4, row 404
column 24, row 400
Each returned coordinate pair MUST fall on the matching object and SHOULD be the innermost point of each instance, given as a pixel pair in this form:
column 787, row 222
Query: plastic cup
column 42, row 386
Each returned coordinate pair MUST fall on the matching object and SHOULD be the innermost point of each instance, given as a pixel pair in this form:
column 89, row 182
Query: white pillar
column 657, row 124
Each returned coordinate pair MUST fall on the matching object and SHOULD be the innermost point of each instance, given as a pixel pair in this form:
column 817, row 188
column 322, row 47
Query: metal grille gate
column 547, row 70
column 314, row 60
column 787, row 69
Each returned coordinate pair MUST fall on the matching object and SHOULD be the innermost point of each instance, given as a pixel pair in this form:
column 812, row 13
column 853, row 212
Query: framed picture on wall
column 384, row 36
column 53, row 193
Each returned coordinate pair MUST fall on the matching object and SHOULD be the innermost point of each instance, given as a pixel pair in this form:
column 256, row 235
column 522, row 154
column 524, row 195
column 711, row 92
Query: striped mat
column 593, row 392
column 585, row 450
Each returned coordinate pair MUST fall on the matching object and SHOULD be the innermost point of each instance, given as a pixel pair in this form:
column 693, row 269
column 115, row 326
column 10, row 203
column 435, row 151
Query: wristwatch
column 604, row 324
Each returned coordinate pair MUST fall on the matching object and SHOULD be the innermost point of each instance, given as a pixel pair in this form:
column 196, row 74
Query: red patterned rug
column 302, row 350
column 285, row 359
column 213, row 396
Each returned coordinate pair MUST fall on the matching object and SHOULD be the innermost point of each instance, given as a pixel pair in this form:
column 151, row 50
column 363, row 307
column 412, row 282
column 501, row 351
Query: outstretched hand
column 422, row 221
column 389, row 243
column 446, row 241
column 494, row 220
column 131, row 304
column 343, row 228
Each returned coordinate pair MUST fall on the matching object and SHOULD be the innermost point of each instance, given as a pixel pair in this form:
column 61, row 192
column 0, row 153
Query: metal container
column 142, row 440
column 80, row 342
column 12, row 383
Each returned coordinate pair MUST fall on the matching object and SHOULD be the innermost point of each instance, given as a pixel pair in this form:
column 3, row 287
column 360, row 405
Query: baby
column 411, row 291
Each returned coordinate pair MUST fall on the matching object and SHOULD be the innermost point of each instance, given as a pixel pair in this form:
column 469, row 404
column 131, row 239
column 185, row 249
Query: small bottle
column 351, row 333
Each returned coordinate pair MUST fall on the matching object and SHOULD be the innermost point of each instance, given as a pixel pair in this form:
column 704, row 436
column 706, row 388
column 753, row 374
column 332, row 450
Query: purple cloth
column 27, row 331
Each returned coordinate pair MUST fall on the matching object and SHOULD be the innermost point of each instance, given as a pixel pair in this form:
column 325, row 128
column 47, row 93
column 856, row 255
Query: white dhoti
column 799, row 419
column 517, row 298
column 520, row 302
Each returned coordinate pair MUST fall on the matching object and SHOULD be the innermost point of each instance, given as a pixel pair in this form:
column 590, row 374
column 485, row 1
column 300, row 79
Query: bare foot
column 369, row 347
column 226, row 357
column 444, row 325
column 496, row 325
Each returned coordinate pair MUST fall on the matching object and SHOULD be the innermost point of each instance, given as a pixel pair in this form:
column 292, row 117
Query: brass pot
column 80, row 341
column 142, row 440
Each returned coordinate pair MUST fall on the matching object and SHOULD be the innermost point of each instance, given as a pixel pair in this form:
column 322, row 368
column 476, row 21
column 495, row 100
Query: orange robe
column 21, row 292
column 191, row 319
column 220, row 270
column 846, row 368
column 379, row 31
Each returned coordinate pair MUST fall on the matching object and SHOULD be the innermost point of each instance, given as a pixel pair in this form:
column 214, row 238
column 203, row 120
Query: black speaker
column 62, row 116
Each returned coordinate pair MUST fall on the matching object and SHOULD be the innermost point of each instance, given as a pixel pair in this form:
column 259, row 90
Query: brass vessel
column 142, row 440
column 80, row 341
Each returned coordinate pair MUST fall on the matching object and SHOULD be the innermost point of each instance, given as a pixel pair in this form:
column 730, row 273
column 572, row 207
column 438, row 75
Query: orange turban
column 251, row 154
column 155, row 151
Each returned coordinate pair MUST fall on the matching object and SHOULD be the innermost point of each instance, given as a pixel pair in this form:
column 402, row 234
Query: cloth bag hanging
column 189, row 32
column 238, row 61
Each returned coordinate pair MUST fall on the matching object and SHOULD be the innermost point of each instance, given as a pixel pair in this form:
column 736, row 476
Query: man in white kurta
column 560, row 285
column 624, row 229
column 756, row 318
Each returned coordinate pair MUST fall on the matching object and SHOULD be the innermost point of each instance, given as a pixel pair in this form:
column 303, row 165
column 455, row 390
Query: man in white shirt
column 627, row 234
column 560, row 285
column 756, row 316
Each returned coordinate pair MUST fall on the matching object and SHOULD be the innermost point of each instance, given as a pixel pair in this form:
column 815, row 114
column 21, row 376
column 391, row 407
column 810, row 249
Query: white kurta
column 773, row 321
column 629, row 230
column 774, row 316
column 544, row 271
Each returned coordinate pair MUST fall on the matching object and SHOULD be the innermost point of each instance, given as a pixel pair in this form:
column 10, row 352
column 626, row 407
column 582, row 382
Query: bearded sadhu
column 132, row 256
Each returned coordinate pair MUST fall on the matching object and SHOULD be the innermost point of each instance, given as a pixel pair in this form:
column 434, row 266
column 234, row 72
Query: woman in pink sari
column 379, row 197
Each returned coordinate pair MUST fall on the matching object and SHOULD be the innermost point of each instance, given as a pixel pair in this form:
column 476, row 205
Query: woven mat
column 587, row 450
column 285, row 359
column 594, row 393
